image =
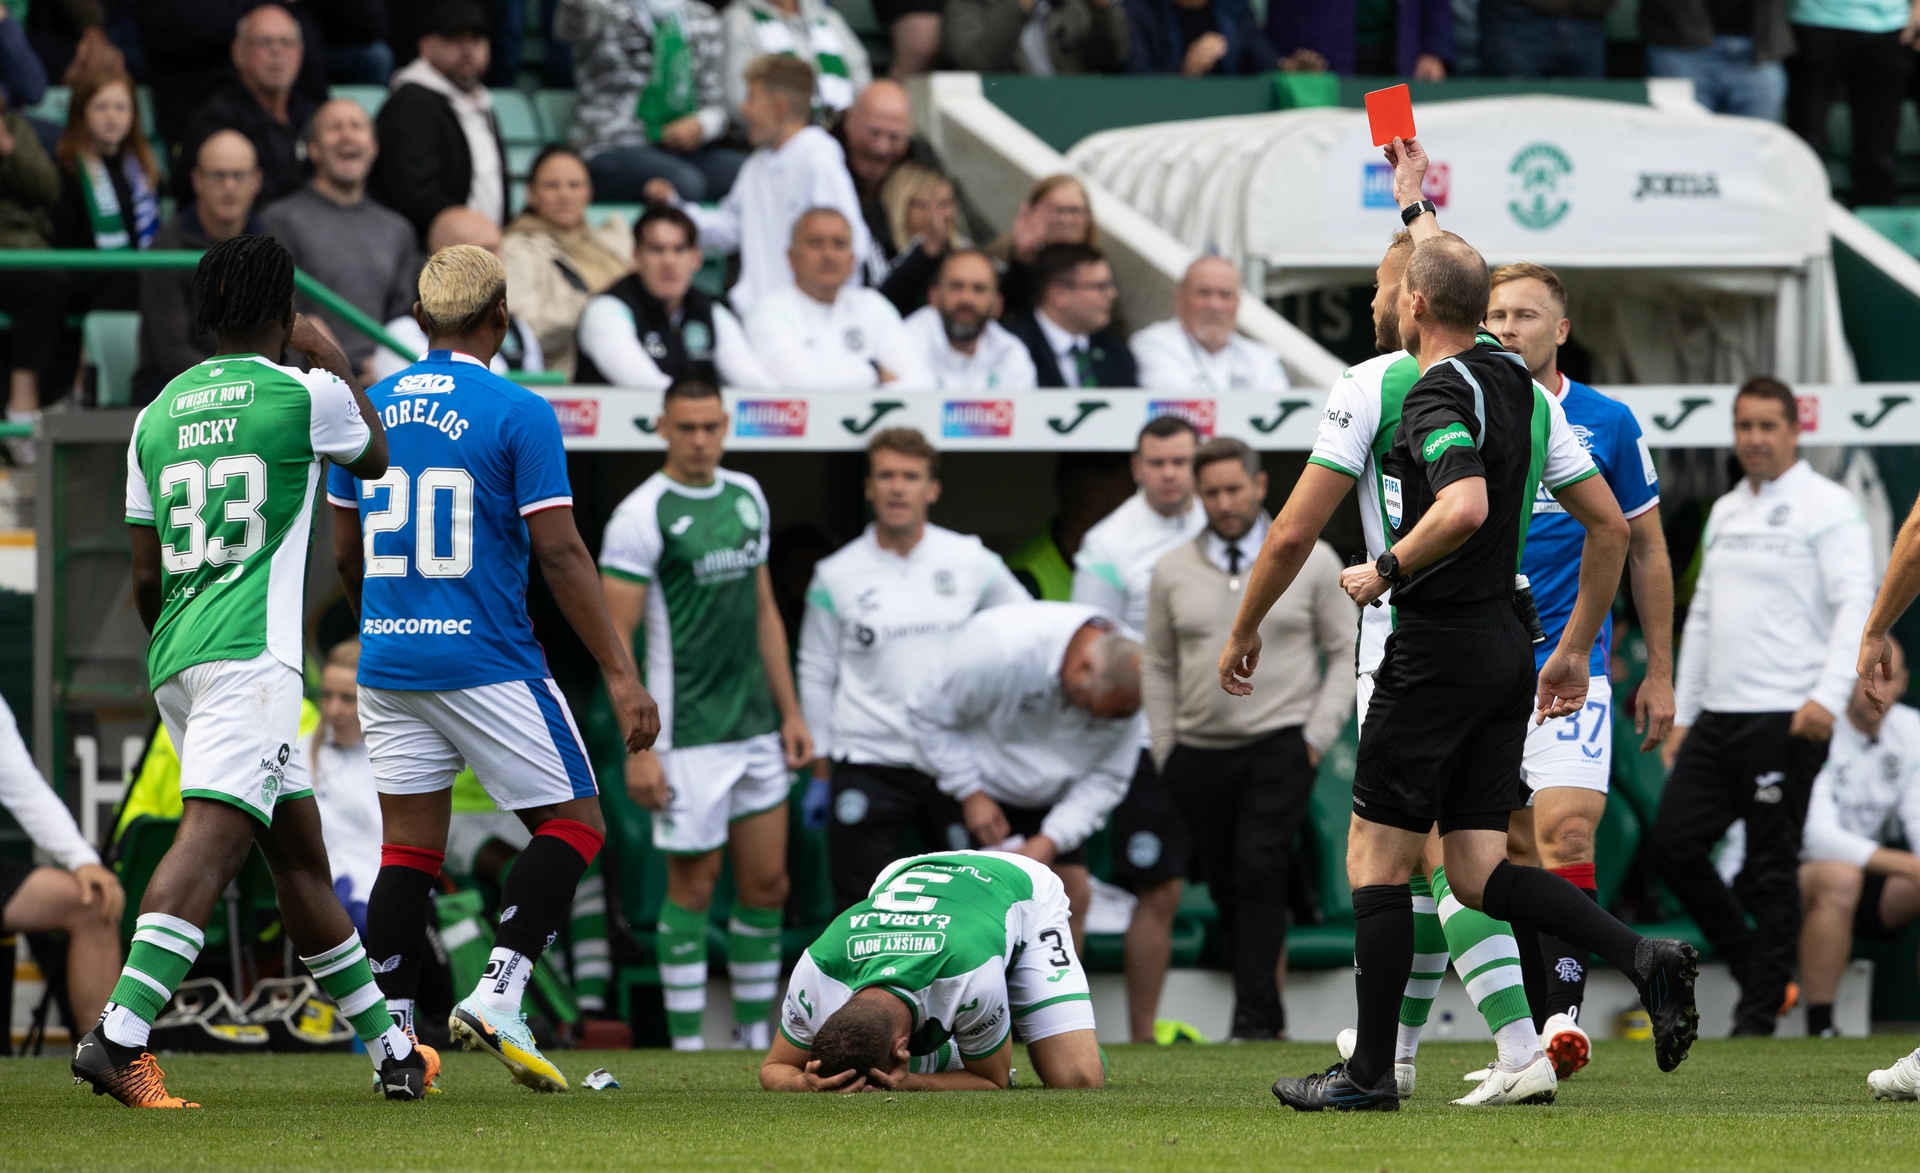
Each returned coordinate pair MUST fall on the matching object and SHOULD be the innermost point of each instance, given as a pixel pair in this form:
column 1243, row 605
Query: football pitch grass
column 1746, row 1105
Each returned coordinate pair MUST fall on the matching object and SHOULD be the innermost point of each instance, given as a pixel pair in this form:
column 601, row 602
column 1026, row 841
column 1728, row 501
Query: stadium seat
column 555, row 108
column 597, row 213
column 520, row 130
column 52, row 106
column 112, row 342
column 371, row 98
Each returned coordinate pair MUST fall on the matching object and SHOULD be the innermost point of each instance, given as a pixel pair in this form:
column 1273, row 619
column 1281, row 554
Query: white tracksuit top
column 874, row 626
column 1864, row 783
column 1786, row 581
column 34, row 805
column 1114, row 566
column 992, row 717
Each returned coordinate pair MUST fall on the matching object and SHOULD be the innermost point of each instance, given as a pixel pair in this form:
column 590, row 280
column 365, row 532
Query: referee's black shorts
column 1448, row 721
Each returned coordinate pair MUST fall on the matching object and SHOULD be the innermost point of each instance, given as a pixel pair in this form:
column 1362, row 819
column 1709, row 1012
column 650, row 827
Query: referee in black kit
column 1446, row 726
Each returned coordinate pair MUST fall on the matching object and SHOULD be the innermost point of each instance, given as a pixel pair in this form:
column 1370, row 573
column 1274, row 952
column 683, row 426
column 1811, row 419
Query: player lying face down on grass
column 923, row 985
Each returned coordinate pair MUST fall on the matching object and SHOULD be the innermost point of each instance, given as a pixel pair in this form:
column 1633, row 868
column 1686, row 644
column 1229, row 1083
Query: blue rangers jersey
column 1554, row 539
column 443, row 603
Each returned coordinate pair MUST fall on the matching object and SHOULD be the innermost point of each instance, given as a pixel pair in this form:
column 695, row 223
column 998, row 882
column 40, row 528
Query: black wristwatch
column 1387, row 566
column 1417, row 209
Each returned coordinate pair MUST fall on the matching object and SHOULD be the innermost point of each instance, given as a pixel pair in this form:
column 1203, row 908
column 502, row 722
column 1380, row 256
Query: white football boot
column 1533, row 1084
column 1402, row 1072
column 1898, row 1082
column 1566, row 1044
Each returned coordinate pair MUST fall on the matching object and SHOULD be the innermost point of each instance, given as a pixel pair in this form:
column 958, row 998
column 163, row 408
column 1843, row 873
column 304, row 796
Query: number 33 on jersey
column 443, row 535
column 224, row 466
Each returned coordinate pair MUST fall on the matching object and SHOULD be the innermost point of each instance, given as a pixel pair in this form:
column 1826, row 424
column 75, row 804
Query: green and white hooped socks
column 753, row 961
column 344, row 974
column 1487, row 959
column 1429, row 966
column 164, row 949
column 681, row 946
column 587, row 941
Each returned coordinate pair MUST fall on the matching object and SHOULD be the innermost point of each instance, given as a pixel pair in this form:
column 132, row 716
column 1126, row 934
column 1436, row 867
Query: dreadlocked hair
column 241, row 282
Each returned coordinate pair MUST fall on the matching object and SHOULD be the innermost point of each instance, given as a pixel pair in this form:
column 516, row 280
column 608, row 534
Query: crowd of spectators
column 749, row 117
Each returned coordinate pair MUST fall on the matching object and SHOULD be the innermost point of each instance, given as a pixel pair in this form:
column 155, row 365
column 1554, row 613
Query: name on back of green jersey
column 898, row 920
column 201, row 432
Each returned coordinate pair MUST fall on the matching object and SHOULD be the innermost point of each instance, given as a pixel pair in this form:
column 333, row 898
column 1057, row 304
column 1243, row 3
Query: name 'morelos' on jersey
column 699, row 549
column 444, row 535
column 1609, row 433
column 224, row 465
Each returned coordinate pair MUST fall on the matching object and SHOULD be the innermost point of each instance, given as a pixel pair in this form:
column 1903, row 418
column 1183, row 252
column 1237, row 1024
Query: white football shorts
column 1046, row 984
column 1575, row 750
column 710, row 787
column 236, row 727
column 517, row 735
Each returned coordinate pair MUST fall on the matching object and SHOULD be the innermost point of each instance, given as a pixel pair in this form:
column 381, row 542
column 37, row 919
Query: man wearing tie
column 1069, row 332
column 1240, row 769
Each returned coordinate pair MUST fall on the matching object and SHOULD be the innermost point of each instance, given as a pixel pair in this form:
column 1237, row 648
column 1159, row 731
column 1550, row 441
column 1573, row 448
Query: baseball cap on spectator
column 459, row 17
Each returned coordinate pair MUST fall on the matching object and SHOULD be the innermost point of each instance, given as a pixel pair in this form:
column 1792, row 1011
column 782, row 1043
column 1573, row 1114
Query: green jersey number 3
column 903, row 893
column 187, row 516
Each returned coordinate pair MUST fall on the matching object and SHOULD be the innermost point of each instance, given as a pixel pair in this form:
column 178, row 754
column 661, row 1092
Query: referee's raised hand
column 1563, row 687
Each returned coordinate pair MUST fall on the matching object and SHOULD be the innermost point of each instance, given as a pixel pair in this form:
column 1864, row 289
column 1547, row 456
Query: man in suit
column 1069, row 330
column 439, row 145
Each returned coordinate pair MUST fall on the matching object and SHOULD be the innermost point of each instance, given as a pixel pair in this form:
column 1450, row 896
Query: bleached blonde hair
column 459, row 287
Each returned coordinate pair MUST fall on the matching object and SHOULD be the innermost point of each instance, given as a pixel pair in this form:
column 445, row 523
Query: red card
column 1390, row 114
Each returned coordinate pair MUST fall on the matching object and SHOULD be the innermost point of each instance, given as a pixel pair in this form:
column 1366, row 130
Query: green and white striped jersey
column 224, row 465
column 1357, row 428
column 938, row 932
column 699, row 550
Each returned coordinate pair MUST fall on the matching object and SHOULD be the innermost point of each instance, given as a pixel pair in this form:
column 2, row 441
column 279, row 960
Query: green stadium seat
column 52, row 106
column 112, row 342
column 597, row 213
column 519, row 122
column 371, row 98
column 555, row 108
column 1327, row 946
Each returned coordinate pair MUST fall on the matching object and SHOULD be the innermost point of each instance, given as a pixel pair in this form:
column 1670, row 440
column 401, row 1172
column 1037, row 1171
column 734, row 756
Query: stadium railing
column 90, row 260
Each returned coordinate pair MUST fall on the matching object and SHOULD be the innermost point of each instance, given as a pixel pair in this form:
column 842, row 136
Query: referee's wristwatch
column 1417, row 209
column 1387, row 566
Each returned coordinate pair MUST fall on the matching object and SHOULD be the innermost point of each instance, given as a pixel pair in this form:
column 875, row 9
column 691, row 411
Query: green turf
column 1745, row 1105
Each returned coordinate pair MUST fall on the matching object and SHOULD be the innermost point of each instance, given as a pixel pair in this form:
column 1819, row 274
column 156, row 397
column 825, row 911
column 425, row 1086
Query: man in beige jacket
column 1241, row 772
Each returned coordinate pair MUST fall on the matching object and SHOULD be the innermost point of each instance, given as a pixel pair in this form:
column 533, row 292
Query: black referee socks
column 1382, row 961
column 1538, row 898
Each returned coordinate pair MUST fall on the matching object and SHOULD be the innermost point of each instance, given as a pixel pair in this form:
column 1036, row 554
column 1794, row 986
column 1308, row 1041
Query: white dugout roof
column 1683, row 212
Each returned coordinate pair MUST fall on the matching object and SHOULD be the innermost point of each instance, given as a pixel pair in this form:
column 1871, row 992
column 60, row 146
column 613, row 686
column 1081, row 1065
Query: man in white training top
column 77, row 897
column 1196, row 351
column 1031, row 721
column 1766, row 663
column 1851, row 883
column 821, row 332
column 958, row 334
column 878, row 612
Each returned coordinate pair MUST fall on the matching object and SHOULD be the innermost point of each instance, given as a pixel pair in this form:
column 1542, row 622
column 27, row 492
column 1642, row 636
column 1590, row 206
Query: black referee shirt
column 1472, row 415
